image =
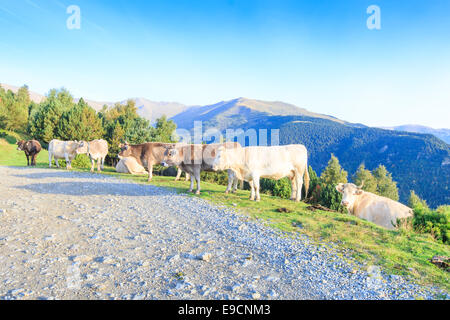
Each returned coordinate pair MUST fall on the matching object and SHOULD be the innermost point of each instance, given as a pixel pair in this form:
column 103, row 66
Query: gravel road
column 71, row 235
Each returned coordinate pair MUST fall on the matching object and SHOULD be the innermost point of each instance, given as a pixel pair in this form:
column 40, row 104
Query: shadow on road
column 79, row 188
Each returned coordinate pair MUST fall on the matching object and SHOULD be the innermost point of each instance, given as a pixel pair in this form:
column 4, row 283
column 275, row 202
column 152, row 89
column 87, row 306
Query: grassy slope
column 10, row 156
column 399, row 252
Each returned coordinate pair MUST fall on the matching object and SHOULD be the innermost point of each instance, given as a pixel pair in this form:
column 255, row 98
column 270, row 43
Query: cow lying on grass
column 368, row 206
column 130, row 165
column 31, row 149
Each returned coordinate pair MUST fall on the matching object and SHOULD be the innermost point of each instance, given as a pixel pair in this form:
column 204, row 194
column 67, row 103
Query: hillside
column 35, row 97
column 238, row 112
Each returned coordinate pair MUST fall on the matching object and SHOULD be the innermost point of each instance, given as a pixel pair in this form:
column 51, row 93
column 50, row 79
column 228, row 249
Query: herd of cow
column 242, row 163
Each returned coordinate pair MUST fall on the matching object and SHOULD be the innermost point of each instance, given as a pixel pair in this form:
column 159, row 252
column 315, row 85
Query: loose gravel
column 72, row 235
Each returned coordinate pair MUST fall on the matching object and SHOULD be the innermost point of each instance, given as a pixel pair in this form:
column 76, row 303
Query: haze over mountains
column 443, row 134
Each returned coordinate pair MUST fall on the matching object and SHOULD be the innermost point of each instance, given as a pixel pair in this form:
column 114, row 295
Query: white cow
column 62, row 150
column 276, row 162
column 130, row 165
column 368, row 206
column 96, row 149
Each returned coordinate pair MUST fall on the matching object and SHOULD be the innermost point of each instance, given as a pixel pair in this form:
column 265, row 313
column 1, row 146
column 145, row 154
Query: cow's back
column 35, row 147
column 275, row 161
column 98, row 148
column 380, row 210
column 59, row 148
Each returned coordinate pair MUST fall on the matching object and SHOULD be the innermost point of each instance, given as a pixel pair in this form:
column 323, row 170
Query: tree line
column 59, row 117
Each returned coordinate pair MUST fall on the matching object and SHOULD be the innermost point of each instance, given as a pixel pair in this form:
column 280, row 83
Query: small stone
column 145, row 263
column 235, row 287
column 272, row 294
column 81, row 258
column 2, row 211
column 106, row 260
column 174, row 258
column 205, row 256
column 49, row 238
column 256, row 296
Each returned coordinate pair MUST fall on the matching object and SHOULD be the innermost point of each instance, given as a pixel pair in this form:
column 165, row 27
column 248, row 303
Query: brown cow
column 31, row 149
column 194, row 158
column 146, row 154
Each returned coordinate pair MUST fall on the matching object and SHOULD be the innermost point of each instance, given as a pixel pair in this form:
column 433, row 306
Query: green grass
column 399, row 252
column 10, row 156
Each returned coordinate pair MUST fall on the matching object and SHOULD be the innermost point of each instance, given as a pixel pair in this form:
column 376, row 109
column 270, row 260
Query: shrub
column 436, row 223
column 220, row 177
column 81, row 161
column 329, row 197
column 279, row 188
column 282, row 188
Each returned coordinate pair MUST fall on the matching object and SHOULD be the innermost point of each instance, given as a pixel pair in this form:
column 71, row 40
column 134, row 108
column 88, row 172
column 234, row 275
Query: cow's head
column 82, row 147
column 350, row 193
column 125, row 150
column 21, row 145
column 220, row 161
column 173, row 156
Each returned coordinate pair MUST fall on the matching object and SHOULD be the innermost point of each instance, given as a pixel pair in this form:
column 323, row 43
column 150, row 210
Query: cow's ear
column 340, row 187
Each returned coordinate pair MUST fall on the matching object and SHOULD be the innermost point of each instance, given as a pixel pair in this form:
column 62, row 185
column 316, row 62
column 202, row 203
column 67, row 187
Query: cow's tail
column 306, row 180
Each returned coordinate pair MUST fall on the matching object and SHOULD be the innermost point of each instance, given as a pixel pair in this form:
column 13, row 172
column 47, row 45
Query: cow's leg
column 188, row 176
column 49, row 160
column 103, row 162
column 92, row 163
column 256, row 186
column 299, row 186
column 197, row 177
column 235, row 184
column 252, row 188
column 28, row 160
column 231, row 177
column 192, row 183
column 150, row 172
column 33, row 159
column 179, row 171
column 68, row 162
column 293, row 188
column 99, row 162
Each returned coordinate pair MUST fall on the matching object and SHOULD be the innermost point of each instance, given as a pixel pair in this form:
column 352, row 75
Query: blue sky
column 315, row 54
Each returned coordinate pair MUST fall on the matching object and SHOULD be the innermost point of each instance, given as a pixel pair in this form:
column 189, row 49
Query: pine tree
column 80, row 123
column 363, row 175
column 386, row 187
column 164, row 130
column 334, row 173
column 43, row 122
column 414, row 201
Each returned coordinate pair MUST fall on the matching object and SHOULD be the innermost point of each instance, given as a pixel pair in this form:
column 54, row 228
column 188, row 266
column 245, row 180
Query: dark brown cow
column 31, row 149
column 146, row 154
